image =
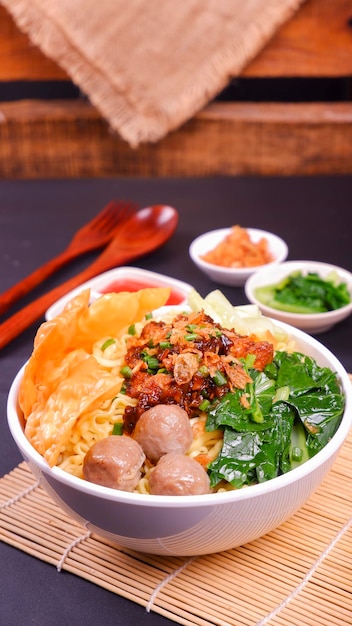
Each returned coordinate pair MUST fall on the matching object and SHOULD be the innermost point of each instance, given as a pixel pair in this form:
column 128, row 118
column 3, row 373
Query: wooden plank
column 317, row 41
column 69, row 139
column 20, row 59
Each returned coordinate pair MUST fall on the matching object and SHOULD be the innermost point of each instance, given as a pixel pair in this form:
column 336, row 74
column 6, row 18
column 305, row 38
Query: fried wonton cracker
column 84, row 388
column 113, row 312
column 62, row 379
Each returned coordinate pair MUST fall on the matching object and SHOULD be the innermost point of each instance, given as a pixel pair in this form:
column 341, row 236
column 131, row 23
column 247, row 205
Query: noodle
column 205, row 443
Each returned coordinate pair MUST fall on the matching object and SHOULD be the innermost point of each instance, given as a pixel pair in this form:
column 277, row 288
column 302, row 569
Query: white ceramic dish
column 99, row 284
column 312, row 323
column 234, row 277
column 185, row 525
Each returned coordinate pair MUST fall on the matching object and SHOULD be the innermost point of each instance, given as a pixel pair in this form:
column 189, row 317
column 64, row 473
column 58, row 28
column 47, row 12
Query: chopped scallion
column 117, row 428
column 191, row 337
column 151, row 361
column 107, row 343
column 204, row 371
column 204, row 405
column 126, row 371
column 165, row 344
column 219, row 378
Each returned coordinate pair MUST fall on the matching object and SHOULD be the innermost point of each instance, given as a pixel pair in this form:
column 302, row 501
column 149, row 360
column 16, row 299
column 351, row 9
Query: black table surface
column 37, row 220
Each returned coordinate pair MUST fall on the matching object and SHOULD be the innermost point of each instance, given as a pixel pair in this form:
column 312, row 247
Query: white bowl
column 144, row 278
column 234, row 277
column 314, row 323
column 185, row 525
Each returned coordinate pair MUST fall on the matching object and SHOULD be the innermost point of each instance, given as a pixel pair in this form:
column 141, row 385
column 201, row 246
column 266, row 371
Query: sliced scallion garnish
column 117, row 428
column 107, row 343
column 126, row 371
column 165, row 344
column 219, row 378
column 204, row 405
column 191, row 337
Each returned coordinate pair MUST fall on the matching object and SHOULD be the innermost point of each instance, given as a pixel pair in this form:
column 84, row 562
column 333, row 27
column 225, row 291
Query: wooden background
column 66, row 137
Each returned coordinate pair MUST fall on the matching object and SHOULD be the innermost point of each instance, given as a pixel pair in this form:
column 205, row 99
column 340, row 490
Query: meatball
column 162, row 429
column 114, row 462
column 178, row 475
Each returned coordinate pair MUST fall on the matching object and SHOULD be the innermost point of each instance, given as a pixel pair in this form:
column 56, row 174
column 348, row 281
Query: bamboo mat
column 300, row 573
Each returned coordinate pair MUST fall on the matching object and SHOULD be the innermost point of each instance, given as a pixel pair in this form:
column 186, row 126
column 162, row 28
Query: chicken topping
column 184, row 362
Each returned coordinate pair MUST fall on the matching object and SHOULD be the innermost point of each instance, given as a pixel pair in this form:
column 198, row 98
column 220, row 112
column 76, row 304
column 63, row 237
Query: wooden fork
column 144, row 231
column 92, row 236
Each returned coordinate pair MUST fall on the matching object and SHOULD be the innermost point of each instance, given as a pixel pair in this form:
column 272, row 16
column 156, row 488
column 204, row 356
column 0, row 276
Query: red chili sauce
column 128, row 284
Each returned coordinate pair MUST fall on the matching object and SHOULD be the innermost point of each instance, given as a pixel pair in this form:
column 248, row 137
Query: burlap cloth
column 149, row 65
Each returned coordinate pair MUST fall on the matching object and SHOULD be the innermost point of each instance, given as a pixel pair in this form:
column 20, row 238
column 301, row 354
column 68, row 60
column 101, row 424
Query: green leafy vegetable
column 298, row 293
column 292, row 410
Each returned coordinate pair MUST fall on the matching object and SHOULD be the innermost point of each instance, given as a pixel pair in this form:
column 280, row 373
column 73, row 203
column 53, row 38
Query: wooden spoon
column 142, row 233
column 94, row 235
